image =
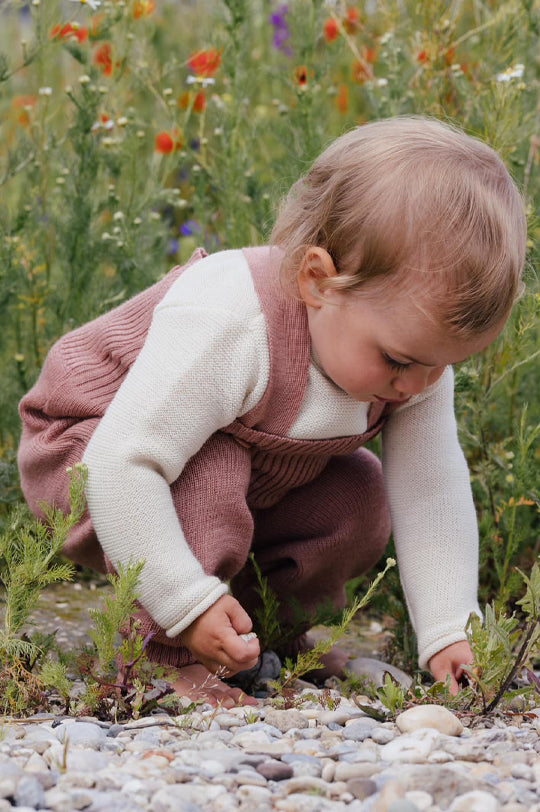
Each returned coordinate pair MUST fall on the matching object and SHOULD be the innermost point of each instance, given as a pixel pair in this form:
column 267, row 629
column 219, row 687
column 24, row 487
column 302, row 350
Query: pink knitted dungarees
column 312, row 511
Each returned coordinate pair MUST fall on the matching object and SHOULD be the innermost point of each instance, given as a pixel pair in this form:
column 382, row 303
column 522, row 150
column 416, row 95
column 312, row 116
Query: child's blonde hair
column 404, row 195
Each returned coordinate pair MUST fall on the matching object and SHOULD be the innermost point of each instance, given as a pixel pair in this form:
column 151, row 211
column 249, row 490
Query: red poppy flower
column 69, row 31
column 165, row 143
column 301, row 75
column 342, row 99
column 422, row 57
column 199, row 103
column 103, row 58
column 450, row 56
column 351, row 21
column 143, row 8
column 330, row 30
column 205, row 63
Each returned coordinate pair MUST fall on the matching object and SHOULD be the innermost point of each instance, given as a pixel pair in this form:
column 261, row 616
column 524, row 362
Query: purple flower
column 190, row 227
column 281, row 30
column 172, row 248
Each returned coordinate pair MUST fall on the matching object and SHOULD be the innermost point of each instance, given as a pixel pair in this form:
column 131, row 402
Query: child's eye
column 393, row 364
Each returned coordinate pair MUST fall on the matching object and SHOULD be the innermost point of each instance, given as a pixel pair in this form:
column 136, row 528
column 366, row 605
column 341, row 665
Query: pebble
column 304, row 759
column 434, row 716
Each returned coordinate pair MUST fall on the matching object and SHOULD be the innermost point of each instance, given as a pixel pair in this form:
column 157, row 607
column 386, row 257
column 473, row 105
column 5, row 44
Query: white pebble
column 475, row 801
column 433, row 716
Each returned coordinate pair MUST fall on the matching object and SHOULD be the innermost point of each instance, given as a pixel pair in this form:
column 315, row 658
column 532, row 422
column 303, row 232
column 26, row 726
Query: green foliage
column 28, row 563
column 392, row 694
column 310, row 660
column 502, row 647
column 115, row 615
column 53, row 674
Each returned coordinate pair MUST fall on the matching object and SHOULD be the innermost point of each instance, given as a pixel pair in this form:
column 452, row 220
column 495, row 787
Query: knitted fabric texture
column 82, row 374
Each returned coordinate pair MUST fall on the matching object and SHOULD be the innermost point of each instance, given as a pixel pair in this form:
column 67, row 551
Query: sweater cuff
column 196, row 611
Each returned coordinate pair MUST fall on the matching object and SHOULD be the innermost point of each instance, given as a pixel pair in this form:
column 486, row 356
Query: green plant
column 392, row 695
column 28, row 563
column 120, row 679
column 502, row 649
column 310, row 660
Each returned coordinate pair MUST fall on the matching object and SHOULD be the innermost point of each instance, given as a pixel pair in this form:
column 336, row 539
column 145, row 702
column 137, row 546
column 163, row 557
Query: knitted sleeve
column 433, row 517
column 197, row 371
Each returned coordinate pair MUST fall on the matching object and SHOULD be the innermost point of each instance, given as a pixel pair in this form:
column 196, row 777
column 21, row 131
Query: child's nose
column 415, row 379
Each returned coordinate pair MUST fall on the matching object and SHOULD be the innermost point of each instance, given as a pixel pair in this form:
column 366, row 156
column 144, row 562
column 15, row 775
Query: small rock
column 359, row 730
column 382, row 735
column 402, row 805
column 433, row 716
column 89, row 761
column 475, row 801
column 275, row 770
column 391, row 792
column 412, row 747
column 286, row 720
column 345, row 771
column 361, row 788
column 29, row 792
column 306, row 783
column 84, row 734
column 423, row 800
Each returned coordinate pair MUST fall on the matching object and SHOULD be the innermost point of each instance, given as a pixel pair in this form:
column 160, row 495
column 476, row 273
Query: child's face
column 382, row 348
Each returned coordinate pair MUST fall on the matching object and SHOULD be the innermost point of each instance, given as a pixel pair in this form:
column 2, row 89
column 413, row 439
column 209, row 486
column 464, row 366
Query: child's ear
column 316, row 265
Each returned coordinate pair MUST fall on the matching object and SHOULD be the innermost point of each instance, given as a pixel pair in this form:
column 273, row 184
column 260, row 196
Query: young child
column 223, row 410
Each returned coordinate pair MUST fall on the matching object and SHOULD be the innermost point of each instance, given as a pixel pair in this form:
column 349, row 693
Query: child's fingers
column 240, row 620
column 238, row 654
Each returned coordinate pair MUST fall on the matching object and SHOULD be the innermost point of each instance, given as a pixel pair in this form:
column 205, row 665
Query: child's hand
column 449, row 661
column 214, row 638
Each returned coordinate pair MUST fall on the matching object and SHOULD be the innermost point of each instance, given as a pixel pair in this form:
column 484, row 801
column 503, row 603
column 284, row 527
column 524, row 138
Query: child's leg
column 319, row 536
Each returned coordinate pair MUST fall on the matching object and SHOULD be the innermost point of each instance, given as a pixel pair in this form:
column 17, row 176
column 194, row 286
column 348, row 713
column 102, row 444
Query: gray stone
column 8, row 786
column 88, row 761
column 382, row 735
column 62, row 801
column 286, row 720
column 275, row 770
column 361, row 788
column 402, row 805
column 412, row 747
column 290, row 758
column 29, row 792
column 442, row 782
column 376, row 670
column 83, row 734
column 359, row 730
column 112, row 801
column 271, row 730
column 10, row 770
column 176, row 797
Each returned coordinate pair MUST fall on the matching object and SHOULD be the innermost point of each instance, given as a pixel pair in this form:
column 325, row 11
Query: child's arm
column 199, row 369
column 434, row 520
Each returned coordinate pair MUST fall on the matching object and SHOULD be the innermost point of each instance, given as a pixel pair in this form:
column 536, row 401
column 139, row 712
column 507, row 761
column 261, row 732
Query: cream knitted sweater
column 173, row 400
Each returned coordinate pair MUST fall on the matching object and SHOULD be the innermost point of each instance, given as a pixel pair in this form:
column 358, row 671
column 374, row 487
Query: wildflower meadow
column 132, row 131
